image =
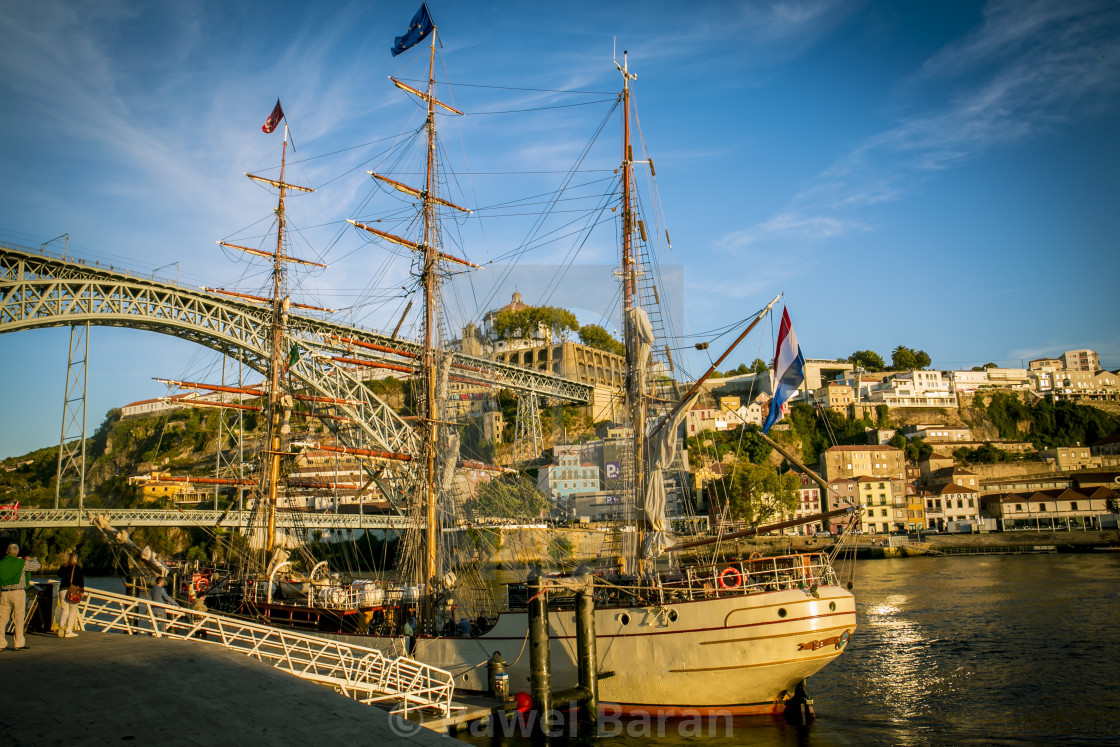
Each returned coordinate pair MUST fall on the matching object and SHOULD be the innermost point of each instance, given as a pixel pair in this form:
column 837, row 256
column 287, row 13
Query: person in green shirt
column 14, row 573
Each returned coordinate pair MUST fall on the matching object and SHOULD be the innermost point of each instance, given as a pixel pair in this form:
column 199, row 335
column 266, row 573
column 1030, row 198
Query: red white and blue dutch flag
column 788, row 372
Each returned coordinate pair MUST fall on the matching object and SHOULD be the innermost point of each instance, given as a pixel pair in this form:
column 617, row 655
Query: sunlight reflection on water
column 994, row 650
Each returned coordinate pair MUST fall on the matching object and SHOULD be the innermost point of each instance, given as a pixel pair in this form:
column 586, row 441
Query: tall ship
column 680, row 629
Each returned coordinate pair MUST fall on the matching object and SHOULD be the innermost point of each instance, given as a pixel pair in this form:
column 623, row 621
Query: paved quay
column 105, row 688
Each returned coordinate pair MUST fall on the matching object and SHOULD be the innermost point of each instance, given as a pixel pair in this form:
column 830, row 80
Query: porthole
column 624, row 618
column 782, row 612
column 832, row 606
column 672, row 616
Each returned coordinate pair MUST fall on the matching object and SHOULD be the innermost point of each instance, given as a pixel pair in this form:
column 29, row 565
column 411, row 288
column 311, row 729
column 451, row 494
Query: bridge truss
column 39, row 289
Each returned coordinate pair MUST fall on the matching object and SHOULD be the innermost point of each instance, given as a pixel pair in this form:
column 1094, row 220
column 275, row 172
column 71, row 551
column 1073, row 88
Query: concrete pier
column 103, row 688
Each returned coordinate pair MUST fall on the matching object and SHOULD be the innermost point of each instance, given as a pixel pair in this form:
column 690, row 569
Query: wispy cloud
column 1029, row 68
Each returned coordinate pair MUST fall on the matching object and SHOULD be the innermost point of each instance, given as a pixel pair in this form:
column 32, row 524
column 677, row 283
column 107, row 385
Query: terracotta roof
column 863, row 448
column 1053, row 494
column 516, row 304
column 954, row 488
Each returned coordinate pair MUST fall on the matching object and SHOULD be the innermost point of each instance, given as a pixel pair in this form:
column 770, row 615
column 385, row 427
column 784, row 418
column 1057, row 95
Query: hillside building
column 855, row 461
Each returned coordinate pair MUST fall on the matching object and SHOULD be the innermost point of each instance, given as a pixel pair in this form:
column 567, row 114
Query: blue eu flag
column 418, row 30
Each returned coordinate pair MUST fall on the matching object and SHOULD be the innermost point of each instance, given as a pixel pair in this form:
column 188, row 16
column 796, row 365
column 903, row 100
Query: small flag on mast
column 273, row 120
column 789, row 370
column 418, row 29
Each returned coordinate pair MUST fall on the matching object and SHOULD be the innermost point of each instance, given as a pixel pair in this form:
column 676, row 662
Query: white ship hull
column 731, row 655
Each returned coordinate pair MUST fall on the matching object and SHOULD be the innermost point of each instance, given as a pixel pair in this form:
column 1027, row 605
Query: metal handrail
column 365, row 674
column 803, row 571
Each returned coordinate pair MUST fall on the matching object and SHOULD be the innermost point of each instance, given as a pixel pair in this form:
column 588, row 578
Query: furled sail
column 662, row 451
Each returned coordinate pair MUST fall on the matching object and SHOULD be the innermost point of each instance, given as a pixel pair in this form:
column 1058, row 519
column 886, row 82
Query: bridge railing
column 17, row 518
column 365, row 674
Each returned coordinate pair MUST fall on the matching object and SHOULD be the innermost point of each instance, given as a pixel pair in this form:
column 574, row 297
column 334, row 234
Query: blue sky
column 938, row 175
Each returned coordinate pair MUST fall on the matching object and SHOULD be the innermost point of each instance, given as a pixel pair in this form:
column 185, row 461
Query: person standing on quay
column 72, row 578
column 13, row 593
column 160, row 596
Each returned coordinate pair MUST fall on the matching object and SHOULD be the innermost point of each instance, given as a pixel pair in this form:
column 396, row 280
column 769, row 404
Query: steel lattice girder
column 39, row 290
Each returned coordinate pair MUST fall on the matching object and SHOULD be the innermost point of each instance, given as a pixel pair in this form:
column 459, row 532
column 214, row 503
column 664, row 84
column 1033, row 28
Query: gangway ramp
column 365, row 674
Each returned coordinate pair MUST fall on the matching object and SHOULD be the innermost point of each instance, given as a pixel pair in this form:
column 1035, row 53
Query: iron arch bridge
column 39, row 289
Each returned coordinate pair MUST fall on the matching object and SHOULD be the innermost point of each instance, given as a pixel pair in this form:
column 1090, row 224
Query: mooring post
column 586, row 650
column 540, row 666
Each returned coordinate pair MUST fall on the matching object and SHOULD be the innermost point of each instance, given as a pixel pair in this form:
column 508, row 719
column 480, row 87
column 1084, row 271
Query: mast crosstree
column 433, row 367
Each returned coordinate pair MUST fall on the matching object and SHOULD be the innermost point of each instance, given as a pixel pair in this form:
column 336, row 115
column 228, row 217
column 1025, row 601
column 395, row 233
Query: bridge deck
column 31, row 518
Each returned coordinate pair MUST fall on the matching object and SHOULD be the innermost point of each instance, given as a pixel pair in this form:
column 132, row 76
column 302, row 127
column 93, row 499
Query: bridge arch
column 39, row 291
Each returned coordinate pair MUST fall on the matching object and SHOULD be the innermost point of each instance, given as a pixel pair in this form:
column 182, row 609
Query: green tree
column 903, row 359
column 759, row 366
column 756, row 493
column 1007, row 411
column 918, row 449
column 868, row 360
column 752, row 444
column 907, row 359
column 508, row 496
column 526, row 323
column 595, row 336
column 741, row 370
column 883, row 416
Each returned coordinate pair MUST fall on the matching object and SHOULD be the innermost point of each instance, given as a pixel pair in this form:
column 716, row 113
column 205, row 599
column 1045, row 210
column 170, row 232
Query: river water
column 992, row 650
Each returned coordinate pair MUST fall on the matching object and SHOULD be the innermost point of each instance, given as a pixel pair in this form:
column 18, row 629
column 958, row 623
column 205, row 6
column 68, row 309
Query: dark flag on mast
column 273, row 120
column 418, row 30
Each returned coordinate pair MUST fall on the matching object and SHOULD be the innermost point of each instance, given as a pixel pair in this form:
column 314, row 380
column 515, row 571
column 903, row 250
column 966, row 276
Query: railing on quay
column 365, row 674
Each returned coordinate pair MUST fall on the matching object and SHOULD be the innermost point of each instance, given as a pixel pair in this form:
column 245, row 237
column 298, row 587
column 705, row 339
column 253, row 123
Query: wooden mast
column 431, row 411
column 275, row 400
column 636, row 380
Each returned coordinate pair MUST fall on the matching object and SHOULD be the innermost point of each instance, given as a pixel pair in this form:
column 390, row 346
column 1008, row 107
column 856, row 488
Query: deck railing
column 803, row 571
column 365, row 674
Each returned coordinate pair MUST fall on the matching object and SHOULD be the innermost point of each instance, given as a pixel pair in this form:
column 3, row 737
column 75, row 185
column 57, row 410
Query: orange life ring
column 201, row 585
column 730, row 572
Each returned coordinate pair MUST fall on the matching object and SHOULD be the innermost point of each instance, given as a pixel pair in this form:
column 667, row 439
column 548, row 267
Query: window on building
column 1073, row 506
column 1042, row 507
column 1018, row 506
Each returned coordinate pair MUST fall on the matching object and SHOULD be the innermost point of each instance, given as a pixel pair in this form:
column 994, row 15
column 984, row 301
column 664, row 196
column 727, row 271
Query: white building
column 1009, row 378
column 575, row 473
column 938, row 433
column 177, row 402
column 914, row 389
column 703, row 419
column 956, row 508
column 966, row 382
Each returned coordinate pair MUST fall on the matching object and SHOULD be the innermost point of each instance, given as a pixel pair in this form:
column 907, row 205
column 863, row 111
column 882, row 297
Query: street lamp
column 176, row 263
